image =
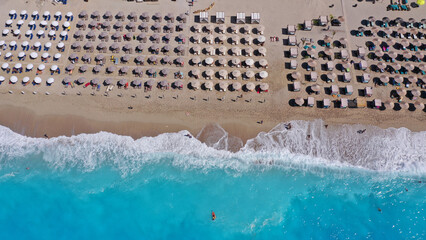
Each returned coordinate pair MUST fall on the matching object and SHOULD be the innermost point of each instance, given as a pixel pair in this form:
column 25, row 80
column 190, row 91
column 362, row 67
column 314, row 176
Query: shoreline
column 57, row 118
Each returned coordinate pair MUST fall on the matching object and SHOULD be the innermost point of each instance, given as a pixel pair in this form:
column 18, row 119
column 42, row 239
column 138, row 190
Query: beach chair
column 363, row 65
column 307, row 25
column 293, row 52
column 330, row 65
column 292, row 41
column 310, row 102
column 296, row 86
column 291, row 29
column 349, row 90
column 334, row 89
column 293, row 64
column 314, row 76
column 343, row 103
column 326, row 103
column 377, row 103
column 368, row 91
column 347, row 77
column 366, row 77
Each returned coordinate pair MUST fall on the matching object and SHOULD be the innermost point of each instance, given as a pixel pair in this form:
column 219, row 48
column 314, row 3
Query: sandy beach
column 133, row 112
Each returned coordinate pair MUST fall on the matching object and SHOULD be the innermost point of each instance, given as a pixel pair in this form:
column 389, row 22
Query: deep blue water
column 163, row 201
column 280, row 186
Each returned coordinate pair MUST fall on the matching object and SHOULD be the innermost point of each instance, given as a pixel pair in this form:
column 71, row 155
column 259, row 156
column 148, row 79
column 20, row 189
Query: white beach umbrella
column 37, row 80
column 13, row 79
column 5, row 66
column 50, row 80
column 41, row 67
column 54, row 67
column 2, row 79
column 30, row 66
column 25, row 79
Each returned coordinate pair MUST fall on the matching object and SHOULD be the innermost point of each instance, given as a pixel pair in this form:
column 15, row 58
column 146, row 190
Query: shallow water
column 107, row 186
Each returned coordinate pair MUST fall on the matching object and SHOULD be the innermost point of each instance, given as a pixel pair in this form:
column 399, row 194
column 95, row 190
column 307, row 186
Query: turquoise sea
column 334, row 184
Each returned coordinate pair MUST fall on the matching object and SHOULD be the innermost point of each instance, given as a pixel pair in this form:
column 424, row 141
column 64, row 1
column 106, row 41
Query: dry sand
column 173, row 110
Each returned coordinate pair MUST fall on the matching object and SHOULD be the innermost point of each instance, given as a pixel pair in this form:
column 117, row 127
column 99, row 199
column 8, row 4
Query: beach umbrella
column 263, row 74
column 392, row 54
column 422, row 67
column 50, row 80
column 261, row 39
column 388, row 104
column 398, row 79
column 83, row 68
column 178, row 84
column 404, row 105
column 405, row 43
column 236, row 86
column 264, row 62
column 41, row 67
column 401, row 92
column 108, row 81
column 316, row 88
column 81, row 80
column 208, row 85
column 85, row 57
column 396, row 66
column 236, row 61
column 343, row 41
column 296, row 75
column 95, row 81
column 249, row 74
column 264, row 87
column 163, row 83
column 223, row 85
column 54, row 67
column 249, row 62
column 137, row 82
column 37, row 80
column 415, row 93
column 236, row 50
column 25, row 79
column 4, row 66
column 73, row 56
column 379, row 53
column 150, row 83
column 411, row 79
column 70, row 67
column 236, row 73
column 299, row 101
column 138, row 71
column 195, row 84
column 419, row 105
column 250, row 86
column 30, row 66
column 235, row 39
column 122, row 82
column 2, row 79
column 409, row 66
column 196, row 60
column 223, row 49
column 209, row 61
column 209, row 72
column 331, row 76
column 195, row 72
column 262, row 51
column 45, row 55
column 222, row 62
column 124, row 69
column 312, row 63
column 66, row 80
column 223, row 73
column 419, row 55
column 384, row 78
column 381, row 65
column 164, row 71
column 13, row 79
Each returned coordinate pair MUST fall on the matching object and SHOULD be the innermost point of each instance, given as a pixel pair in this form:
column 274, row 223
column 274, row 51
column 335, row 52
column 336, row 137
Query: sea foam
column 305, row 145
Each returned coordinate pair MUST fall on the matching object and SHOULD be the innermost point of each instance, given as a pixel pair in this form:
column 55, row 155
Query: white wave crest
column 396, row 150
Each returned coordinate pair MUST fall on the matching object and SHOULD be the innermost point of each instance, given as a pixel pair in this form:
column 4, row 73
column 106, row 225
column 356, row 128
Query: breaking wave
column 298, row 144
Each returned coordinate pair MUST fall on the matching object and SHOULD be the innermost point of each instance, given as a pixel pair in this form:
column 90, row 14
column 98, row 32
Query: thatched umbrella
column 296, row 75
column 384, row 78
column 195, row 84
column 223, row 86
column 223, row 74
column 388, row 104
column 250, row 86
column 208, row 85
column 196, row 60
column 419, row 105
column 236, row 73
column 236, row 86
column 249, row 74
column 404, row 105
column 209, row 73
column 299, row 101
